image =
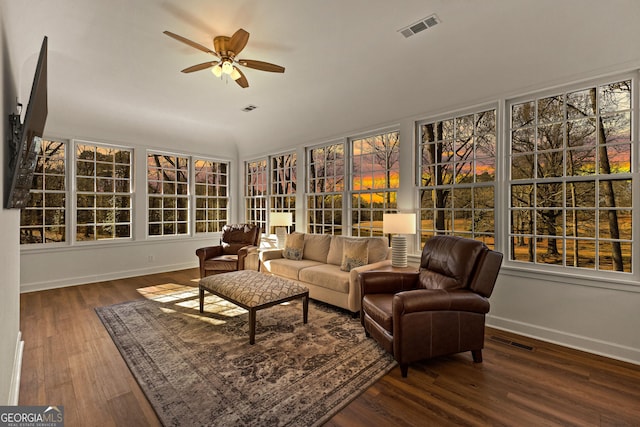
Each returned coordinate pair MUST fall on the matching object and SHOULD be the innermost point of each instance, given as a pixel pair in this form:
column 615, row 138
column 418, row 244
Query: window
column 211, row 195
column 103, row 192
column 43, row 219
column 375, row 178
column 283, row 184
column 570, row 178
column 256, row 193
column 325, row 189
column 457, row 170
column 168, row 190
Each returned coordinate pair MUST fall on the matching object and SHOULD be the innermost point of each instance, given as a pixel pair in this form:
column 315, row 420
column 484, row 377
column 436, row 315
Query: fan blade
column 260, row 65
column 242, row 81
column 190, row 43
column 199, row 67
column 238, row 41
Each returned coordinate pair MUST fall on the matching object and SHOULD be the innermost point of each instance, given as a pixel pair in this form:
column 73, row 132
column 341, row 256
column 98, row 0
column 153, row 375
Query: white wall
column 10, row 341
column 46, row 269
column 576, row 313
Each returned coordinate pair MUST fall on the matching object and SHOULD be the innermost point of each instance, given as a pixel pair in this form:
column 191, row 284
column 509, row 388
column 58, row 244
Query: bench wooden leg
column 201, row 300
column 252, row 326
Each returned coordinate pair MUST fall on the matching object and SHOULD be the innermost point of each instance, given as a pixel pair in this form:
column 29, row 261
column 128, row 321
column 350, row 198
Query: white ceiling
column 114, row 76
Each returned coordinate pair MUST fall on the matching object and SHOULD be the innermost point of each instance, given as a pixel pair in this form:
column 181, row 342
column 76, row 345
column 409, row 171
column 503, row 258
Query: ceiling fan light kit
column 226, row 49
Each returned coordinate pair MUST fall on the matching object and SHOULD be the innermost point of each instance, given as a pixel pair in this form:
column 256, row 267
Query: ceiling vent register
column 421, row 25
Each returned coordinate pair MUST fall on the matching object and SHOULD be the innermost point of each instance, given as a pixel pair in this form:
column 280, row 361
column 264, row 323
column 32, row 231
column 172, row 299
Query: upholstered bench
column 254, row 291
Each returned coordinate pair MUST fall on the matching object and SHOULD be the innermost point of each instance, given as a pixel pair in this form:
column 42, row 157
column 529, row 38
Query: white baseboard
column 578, row 342
column 83, row 280
column 14, row 390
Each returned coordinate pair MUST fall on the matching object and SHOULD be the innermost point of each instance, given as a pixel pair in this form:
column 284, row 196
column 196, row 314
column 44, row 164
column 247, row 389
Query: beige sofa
column 319, row 269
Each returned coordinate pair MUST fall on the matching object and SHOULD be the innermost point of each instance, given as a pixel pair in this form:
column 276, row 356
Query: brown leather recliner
column 436, row 311
column 235, row 243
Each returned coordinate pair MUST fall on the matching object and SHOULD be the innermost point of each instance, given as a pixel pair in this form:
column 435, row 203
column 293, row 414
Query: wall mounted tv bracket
column 22, row 163
column 14, row 137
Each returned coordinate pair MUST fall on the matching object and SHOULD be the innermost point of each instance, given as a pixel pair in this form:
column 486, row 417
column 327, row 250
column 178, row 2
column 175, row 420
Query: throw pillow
column 293, row 246
column 354, row 254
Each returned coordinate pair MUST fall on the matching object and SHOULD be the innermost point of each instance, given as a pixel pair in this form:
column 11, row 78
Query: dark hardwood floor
column 69, row 359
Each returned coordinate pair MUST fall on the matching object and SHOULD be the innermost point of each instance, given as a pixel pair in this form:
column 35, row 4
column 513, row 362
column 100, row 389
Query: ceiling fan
column 226, row 50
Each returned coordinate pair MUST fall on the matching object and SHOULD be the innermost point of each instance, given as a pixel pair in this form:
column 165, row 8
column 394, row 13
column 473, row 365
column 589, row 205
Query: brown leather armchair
column 236, row 242
column 437, row 310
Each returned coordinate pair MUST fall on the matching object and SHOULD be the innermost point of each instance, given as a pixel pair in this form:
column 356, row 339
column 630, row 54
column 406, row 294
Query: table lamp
column 280, row 220
column 398, row 225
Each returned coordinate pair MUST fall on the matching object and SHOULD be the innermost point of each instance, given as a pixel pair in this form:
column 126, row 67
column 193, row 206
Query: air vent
column 511, row 343
column 421, row 25
column 249, row 108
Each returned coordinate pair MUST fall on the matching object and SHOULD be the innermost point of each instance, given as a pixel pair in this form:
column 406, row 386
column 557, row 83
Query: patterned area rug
column 199, row 369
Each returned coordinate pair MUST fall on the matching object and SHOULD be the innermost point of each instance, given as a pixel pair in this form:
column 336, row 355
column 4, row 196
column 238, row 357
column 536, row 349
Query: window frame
column 389, row 206
column 337, row 195
column 189, row 232
column 489, row 238
column 287, row 175
column 67, row 192
column 256, row 207
column 566, row 270
column 196, row 197
column 76, row 192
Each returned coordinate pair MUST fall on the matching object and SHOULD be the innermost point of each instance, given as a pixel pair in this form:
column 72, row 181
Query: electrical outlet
column 151, row 258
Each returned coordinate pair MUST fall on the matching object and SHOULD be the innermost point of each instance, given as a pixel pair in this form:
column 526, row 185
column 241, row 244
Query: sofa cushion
column 316, row 247
column 293, row 246
column 354, row 254
column 287, row 267
column 378, row 249
column 328, row 276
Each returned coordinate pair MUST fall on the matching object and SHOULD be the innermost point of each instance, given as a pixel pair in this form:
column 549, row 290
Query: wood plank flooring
column 69, row 359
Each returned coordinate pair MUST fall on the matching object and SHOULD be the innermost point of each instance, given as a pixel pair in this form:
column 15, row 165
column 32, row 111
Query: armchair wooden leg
column 477, row 356
column 404, row 369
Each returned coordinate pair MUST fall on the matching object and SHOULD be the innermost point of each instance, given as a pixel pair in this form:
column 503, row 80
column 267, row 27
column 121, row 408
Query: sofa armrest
column 439, row 300
column 387, row 282
column 356, row 277
column 208, row 252
column 242, row 254
column 270, row 254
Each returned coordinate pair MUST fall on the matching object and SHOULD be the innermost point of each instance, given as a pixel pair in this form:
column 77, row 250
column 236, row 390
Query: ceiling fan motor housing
column 220, row 46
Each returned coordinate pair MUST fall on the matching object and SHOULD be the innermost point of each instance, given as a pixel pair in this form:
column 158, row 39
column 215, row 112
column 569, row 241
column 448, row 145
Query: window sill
column 104, row 244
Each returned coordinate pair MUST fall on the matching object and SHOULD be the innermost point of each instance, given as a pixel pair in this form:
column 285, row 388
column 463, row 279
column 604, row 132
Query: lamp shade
column 399, row 223
column 280, row 219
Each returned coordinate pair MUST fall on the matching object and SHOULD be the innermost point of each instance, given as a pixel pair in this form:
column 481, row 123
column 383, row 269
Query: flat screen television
column 26, row 137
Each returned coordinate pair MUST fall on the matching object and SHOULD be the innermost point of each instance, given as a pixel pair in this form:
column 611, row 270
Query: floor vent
column 421, row 25
column 511, row 343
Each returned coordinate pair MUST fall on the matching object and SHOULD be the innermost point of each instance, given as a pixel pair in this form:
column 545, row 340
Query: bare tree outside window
column 211, row 195
column 375, row 178
column 256, row 178
column 43, row 219
column 325, row 189
column 103, row 192
column 571, row 186
column 457, row 176
column 168, row 192
column 283, row 184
